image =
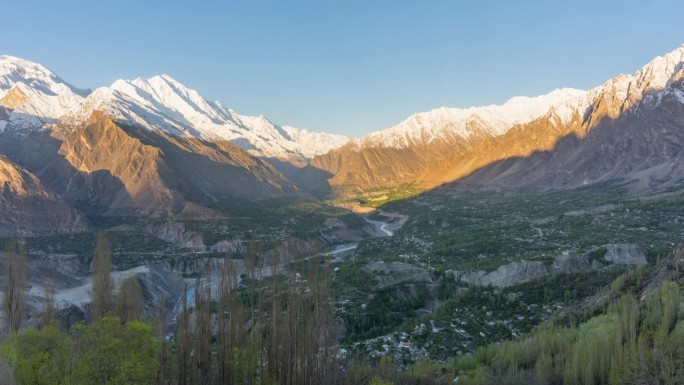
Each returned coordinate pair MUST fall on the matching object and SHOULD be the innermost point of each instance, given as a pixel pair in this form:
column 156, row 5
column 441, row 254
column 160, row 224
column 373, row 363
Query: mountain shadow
column 638, row 139
column 210, row 172
column 106, row 169
column 29, row 207
column 39, row 152
column 313, row 180
column 643, row 145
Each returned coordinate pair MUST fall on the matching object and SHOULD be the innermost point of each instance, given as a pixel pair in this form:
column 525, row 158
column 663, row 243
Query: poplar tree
column 183, row 338
column 50, row 309
column 203, row 336
column 102, row 279
column 14, row 294
column 130, row 300
column 166, row 365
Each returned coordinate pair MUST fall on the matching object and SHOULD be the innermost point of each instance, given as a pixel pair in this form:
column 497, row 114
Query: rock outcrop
column 176, row 234
column 160, row 288
column 569, row 262
column 506, row 275
column 28, row 207
column 625, row 254
column 99, row 160
column 388, row 274
column 628, row 128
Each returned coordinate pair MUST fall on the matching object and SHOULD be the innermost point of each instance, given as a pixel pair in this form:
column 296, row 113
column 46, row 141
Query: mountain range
column 137, row 148
column 630, row 128
column 154, row 147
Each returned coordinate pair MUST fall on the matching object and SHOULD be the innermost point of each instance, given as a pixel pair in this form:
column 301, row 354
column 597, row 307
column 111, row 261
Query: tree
column 165, row 359
column 50, row 310
column 113, row 353
column 202, row 313
column 380, row 381
column 14, row 295
column 130, row 300
column 6, row 373
column 232, row 331
column 102, row 280
column 183, row 339
column 38, row 356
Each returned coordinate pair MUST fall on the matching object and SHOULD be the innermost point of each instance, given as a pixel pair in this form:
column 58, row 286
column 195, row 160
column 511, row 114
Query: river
column 381, row 231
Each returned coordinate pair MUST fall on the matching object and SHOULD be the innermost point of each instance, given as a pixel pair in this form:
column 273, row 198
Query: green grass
column 271, row 221
column 378, row 197
column 486, row 230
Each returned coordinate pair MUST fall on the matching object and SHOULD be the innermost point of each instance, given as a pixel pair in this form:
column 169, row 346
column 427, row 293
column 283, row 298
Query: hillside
column 630, row 128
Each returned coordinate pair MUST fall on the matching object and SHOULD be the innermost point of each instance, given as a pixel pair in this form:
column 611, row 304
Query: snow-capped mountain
column 632, row 131
column 466, row 123
column 499, row 145
column 142, row 147
column 658, row 79
column 496, row 120
column 162, row 103
column 32, row 95
column 28, row 207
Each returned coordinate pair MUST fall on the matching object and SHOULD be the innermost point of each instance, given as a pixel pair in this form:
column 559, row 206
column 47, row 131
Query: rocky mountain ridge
column 145, row 147
column 569, row 262
column 630, row 127
column 34, row 96
column 162, row 103
column 24, row 199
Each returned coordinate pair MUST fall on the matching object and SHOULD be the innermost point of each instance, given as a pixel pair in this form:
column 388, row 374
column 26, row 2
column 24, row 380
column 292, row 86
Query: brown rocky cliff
column 28, row 207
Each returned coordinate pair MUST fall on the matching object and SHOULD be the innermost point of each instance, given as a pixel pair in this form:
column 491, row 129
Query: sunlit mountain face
column 151, row 236
column 629, row 127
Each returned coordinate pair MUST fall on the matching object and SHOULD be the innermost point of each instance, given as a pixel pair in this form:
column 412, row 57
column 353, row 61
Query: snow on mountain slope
column 651, row 81
column 449, row 144
column 162, row 103
column 494, row 120
column 32, row 95
column 631, row 131
column 660, row 77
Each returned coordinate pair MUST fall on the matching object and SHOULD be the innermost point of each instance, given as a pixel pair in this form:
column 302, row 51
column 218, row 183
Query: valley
column 289, row 231
column 435, row 251
column 399, row 271
column 450, row 236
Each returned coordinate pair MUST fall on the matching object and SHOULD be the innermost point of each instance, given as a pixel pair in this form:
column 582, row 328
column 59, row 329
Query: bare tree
column 14, row 295
column 223, row 332
column 130, row 300
column 274, row 342
column 183, row 338
column 6, row 373
column 203, row 336
column 165, row 368
column 102, row 279
column 232, row 325
column 50, row 308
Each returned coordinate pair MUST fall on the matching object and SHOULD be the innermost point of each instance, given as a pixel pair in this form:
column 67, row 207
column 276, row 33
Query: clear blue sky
column 345, row 66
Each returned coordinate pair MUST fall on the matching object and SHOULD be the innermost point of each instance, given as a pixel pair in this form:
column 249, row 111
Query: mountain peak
column 629, row 127
column 162, row 103
column 656, row 75
column 168, row 78
column 425, row 127
column 4, row 59
column 34, row 94
column 7, row 61
column 14, row 70
column 445, row 122
column 676, row 54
